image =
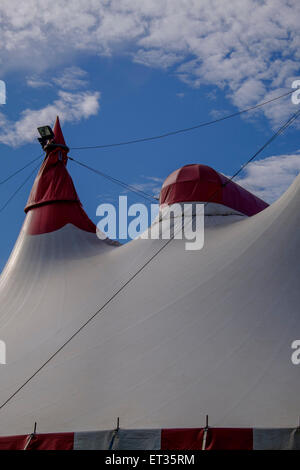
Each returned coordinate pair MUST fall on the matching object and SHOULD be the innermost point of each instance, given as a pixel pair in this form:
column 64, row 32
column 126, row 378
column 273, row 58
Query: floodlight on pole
column 47, row 139
column 46, row 134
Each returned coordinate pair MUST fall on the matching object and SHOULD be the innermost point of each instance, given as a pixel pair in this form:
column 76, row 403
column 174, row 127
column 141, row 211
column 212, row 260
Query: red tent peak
column 202, row 183
column 58, row 135
column 53, row 201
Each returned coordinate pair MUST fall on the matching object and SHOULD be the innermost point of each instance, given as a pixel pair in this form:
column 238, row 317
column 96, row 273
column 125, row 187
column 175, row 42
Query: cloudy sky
column 123, row 69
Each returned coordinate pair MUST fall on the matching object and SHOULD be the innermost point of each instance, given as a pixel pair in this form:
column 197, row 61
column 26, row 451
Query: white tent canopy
column 194, row 333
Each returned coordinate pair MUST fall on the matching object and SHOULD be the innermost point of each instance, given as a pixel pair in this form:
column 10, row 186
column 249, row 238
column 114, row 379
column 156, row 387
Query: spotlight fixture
column 46, row 134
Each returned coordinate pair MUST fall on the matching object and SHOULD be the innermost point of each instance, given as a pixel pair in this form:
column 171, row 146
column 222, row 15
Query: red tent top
column 204, row 184
column 58, row 135
column 53, row 201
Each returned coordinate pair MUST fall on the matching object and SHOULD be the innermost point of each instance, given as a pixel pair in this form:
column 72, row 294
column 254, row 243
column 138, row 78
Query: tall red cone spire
column 53, row 201
column 58, row 135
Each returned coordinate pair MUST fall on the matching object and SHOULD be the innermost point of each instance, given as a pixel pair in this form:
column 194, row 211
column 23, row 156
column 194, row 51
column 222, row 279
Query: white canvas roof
column 155, row 335
column 194, row 333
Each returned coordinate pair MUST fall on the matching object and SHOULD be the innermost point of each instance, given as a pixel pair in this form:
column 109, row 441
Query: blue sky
column 119, row 70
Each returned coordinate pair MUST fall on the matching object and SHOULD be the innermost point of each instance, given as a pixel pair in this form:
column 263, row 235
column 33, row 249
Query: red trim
column 181, row 439
column 216, row 439
column 229, row 439
column 13, row 442
column 58, row 441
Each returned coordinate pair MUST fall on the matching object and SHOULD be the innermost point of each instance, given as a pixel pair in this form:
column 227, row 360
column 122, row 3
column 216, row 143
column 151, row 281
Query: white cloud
column 71, row 78
column 151, row 185
column 218, row 113
column 249, row 92
column 156, row 58
column 37, row 82
column 70, row 107
column 251, row 48
column 270, row 178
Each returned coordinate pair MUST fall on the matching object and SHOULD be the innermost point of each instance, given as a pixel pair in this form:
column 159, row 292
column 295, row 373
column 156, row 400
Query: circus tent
column 157, row 338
